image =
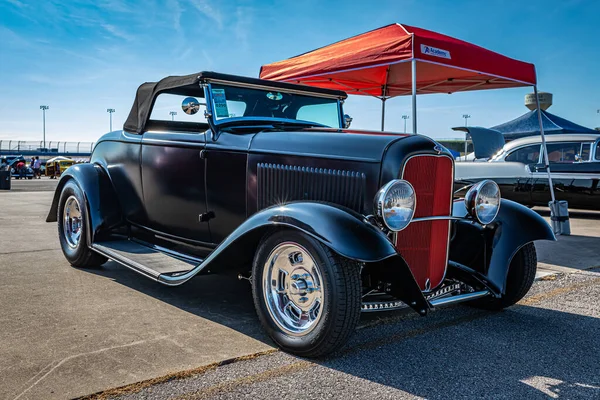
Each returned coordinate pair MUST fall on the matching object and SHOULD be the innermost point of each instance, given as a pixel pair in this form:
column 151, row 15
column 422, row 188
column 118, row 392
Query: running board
column 148, row 261
column 459, row 298
column 394, row 305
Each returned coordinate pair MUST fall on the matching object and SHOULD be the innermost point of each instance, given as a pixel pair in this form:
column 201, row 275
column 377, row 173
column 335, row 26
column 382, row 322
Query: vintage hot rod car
column 324, row 221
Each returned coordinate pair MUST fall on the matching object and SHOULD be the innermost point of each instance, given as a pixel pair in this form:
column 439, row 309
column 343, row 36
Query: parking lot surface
column 66, row 332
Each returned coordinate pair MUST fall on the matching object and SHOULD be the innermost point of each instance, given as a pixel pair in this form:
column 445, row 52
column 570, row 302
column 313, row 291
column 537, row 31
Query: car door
column 572, row 176
column 173, row 179
column 226, row 182
column 519, row 188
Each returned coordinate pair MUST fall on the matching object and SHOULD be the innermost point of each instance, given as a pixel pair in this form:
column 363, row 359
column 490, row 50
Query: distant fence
column 23, row 146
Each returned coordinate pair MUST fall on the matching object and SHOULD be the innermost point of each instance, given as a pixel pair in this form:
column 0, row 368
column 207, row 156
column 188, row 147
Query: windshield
column 233, row 102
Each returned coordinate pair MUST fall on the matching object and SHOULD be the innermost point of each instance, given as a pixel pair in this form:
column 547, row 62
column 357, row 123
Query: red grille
column 424, row 245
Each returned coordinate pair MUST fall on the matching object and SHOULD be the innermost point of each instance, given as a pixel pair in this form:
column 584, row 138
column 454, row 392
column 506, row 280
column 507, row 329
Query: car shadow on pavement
column 222, row 299
column 524, row 352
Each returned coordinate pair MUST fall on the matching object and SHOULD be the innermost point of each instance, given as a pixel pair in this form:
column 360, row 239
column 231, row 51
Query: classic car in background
column 323, row 221
column 54, row 167
column 519, row 169
column 19, row 168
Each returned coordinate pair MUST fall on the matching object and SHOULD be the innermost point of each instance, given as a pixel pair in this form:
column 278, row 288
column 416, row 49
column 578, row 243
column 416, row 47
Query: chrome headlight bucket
column 395, row 204
column 483, row 201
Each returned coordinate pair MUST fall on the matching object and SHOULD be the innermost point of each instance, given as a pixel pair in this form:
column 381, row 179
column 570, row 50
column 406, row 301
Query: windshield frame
column 213, row 121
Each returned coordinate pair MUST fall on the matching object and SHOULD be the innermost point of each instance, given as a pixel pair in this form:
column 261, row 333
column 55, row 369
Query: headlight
column 483, row 201
column 395, row 204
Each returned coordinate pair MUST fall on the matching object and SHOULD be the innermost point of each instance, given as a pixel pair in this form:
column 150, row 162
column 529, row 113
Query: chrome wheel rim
column 72, row 221
column 293, row 289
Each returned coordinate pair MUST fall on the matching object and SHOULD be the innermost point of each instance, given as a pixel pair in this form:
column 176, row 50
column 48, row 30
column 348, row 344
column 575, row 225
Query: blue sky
column 81, row 57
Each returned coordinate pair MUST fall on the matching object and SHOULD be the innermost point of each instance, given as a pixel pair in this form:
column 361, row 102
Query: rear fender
column 100, row 198
column 490, row 249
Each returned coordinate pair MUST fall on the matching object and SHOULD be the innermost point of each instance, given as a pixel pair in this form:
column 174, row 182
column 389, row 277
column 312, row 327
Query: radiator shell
column 425, row 245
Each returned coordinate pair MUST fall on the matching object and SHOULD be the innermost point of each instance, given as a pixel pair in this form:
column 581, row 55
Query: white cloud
column 206, row 9
column 16, row 3
column 113, row 30
column 175, row 8
column 243, row 24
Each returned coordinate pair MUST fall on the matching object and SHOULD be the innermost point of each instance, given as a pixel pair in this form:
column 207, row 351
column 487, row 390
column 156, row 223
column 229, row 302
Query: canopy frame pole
column 414, row 96
column 546, row 159
column 384, row 97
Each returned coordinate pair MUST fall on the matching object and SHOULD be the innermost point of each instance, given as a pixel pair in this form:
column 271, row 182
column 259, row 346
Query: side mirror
column 190, row 105
column 578, row 158
column 347, row 121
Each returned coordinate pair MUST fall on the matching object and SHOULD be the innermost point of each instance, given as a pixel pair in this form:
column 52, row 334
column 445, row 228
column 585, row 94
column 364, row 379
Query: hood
column 365, row 146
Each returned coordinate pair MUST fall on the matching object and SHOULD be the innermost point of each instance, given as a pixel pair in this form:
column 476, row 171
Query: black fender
column 100, row 198
column 489, row 249
column 344, row 231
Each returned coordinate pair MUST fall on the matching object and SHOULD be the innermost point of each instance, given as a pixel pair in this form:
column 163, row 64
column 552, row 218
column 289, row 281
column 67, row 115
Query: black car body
column 271, row 187
column 519, row 169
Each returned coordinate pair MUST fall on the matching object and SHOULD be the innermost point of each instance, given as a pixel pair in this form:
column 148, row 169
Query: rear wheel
column 73, row 229
column 521, row 275
column 307, row 297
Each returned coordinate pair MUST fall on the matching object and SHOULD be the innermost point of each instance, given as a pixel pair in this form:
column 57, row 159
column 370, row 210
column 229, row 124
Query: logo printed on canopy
column 434, row 51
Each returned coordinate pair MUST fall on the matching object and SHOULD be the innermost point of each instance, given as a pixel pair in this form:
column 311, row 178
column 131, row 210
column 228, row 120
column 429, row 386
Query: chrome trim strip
column 459, row 298
column 440, row 217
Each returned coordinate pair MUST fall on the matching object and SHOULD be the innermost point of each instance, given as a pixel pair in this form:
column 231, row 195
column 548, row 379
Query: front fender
column 490, row 249
column 344, row 231
column 99, row 195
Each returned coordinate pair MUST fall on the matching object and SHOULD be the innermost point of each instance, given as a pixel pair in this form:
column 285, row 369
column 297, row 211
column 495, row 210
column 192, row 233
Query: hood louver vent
column 279, row 184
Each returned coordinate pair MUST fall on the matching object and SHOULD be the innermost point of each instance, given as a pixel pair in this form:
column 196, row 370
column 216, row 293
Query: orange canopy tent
column 399, row 59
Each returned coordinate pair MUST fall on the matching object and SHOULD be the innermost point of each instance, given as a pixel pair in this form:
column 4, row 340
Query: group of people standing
column 21, row 169
column 36, row 166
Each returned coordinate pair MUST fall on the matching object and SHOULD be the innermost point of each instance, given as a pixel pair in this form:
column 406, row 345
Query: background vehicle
column 324, row 221
column 54, row 167
column 520, row 171
column 20, row 173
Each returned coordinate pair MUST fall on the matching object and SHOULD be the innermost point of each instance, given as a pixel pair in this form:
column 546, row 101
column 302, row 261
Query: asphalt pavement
column 66, row 332
column 545, row 347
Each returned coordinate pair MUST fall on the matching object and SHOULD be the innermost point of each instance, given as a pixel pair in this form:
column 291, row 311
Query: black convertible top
column 189, row 85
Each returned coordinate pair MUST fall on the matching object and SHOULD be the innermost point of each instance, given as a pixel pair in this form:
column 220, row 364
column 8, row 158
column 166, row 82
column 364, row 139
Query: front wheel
column 73, row 229
column 521, row 275
column 307, row 297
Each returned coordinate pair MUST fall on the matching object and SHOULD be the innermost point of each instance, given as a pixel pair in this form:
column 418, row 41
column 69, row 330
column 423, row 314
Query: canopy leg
column 553, row 205
column 414, row 96
column 383, row 99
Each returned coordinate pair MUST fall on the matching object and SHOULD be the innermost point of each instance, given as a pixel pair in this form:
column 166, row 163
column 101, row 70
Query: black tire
column 521, row 275
column 79, row 255
column 341, row 307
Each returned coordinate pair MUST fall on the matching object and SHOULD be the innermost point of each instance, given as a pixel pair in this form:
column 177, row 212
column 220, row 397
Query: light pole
column 173, row 114
column 405, row 117
column 466, row 117
column 44, row 108
column 110, row 111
